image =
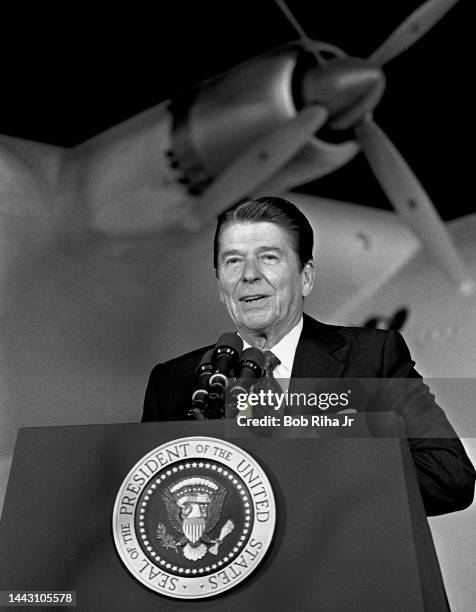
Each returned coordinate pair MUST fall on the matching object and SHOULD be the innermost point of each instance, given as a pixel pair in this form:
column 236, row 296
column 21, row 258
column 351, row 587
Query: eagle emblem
column 194, row 507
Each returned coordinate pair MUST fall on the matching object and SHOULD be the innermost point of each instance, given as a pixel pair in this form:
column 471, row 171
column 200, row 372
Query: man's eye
column 270, row 257
column 232, row 261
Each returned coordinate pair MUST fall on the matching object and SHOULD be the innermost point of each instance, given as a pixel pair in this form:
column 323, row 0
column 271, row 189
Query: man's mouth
column 248, row 299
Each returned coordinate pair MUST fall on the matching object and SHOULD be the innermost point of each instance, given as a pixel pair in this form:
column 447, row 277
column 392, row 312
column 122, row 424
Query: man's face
column 259, row 278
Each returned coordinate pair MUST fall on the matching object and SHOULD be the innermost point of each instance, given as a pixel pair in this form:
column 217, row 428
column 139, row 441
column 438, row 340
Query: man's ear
column 307, row 278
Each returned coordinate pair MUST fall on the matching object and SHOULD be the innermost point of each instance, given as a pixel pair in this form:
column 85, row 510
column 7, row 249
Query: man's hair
column 273, row 210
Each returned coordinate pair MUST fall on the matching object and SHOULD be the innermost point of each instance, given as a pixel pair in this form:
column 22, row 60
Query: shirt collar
column 285, row 349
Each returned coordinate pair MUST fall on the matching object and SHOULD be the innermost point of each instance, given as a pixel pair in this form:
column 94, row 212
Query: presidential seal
column 194, row 517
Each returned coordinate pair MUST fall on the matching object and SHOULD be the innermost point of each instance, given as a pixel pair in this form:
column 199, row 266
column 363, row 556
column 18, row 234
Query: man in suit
column 264, row 267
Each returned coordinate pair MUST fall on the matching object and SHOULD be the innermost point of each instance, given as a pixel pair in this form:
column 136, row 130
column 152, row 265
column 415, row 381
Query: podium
column 350, row 534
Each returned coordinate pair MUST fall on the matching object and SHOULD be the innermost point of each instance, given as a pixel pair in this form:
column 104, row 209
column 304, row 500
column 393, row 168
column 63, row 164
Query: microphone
column 250, row 366
column 225, row 357
column 200, row 396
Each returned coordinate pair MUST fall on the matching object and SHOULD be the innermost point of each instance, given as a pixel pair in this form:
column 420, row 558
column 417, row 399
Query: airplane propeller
column 350, row 88
column 256, row 164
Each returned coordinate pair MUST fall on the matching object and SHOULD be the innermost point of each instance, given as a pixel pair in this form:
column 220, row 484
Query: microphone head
column 230, row 340
column 253, row 354
column 206, row 361
column 251, row 363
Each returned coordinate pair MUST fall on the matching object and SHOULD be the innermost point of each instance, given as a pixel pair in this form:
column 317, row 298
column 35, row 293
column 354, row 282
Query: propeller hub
column 349, row 88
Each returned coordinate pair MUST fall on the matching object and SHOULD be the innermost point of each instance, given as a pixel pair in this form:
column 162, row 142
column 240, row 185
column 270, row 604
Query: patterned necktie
column 268, row 383
column 271, row 362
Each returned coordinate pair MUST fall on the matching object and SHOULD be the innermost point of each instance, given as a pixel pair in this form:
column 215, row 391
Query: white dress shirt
column 284, row 350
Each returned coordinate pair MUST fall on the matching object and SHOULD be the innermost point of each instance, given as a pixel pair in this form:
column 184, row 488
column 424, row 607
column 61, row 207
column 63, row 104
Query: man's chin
column 255, row 324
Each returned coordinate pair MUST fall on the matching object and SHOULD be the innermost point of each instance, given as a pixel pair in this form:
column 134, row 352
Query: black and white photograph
column 238, row 306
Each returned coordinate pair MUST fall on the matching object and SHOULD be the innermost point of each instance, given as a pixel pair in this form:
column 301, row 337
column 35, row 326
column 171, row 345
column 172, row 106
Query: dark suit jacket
column 444, row 471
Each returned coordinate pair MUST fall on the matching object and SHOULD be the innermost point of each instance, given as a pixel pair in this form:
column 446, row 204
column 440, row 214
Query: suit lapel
column 319, row 357
column 318, row 351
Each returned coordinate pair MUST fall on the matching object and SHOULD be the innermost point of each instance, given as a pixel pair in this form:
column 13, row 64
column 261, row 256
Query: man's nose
column 251, row 271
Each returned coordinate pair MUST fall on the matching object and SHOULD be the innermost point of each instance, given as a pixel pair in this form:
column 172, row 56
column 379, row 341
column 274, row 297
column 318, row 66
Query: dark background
column 73, row 71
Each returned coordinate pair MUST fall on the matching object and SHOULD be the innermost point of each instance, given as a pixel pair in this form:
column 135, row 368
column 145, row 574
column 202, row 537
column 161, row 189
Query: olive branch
column 166, row 539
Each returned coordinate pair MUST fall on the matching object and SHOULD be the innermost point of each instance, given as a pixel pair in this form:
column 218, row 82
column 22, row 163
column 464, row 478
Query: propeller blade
column 258, row 163
column 411, row 201
column 316, row 159
column 412, row 29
